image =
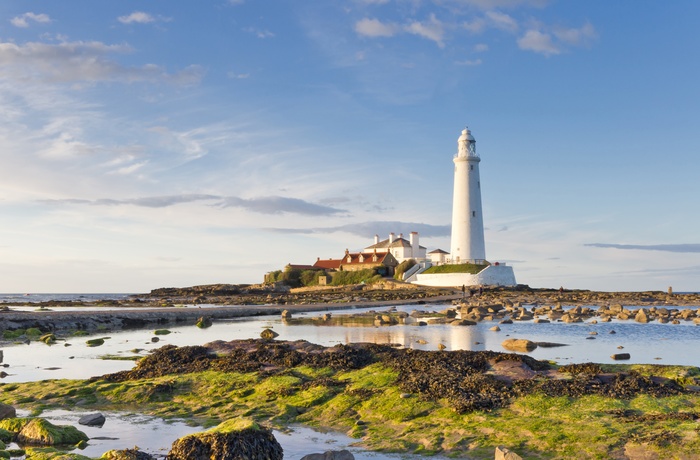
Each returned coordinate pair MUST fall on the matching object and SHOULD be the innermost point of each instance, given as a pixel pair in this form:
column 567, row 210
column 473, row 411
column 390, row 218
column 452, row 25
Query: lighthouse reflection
column 406, row 334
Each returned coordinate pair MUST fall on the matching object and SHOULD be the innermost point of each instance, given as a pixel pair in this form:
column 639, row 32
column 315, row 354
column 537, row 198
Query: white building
column 467, row 243
column 399, row 247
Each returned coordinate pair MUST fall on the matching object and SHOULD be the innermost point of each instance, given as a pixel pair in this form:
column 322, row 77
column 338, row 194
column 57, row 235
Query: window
column 473, row 213
column 471, row 167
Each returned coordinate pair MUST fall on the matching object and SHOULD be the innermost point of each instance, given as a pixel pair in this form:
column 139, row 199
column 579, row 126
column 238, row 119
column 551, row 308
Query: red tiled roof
column 328, row 264
column 367, row 258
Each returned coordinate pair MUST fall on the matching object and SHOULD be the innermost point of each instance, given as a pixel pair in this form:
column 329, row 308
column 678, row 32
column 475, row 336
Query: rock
column 495, row 329
column 504, row 454
column 41, row 432
column 126, row 454
column 541, row 321
column 620, row 356
column 95, row 342
column 518, row 345
column 7, row 411
column 441, row 346
column 95, row 419
column 268, row 334
column 204, row 322
column 155, row 339
column 286, row 314
column 330, row 455
column 48, row 339
column 232, row 440
column 46, row 453
column 326, row 317
column 641, row 316
column 162, row 332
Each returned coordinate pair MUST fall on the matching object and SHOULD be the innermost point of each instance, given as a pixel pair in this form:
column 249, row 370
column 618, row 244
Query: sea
column 71, row 358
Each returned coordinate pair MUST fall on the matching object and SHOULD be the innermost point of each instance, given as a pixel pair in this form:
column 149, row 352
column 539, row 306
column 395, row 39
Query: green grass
column 454, row 268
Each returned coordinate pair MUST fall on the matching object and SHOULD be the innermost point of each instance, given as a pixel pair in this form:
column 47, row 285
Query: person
column 464, row 290
column 561, row 290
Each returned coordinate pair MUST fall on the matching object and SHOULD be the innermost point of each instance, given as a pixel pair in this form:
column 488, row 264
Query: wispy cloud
column 684, row 248
column 260, row 33
column 140, row 17
column 432, row 29
column 555, row 42
column 502, row 21
column 261, row 205
column 367, row 229
column 373, row 28
column 22, row 20
column 80, row 61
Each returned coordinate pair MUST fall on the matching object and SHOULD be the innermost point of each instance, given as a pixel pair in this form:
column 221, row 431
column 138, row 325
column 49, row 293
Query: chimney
column 401, row 235
column 391, row 237
column 376, row 239
column 414, row 241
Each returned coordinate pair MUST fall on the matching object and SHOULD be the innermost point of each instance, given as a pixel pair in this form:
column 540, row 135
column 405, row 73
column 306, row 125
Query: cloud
column 539, row 42
column 469, row 62
column 261, row 205
column 259, row 33
column 367, row 27
column 502, row 21
column 280, row 205
column 682, row 248
column 368, row 229
column 81, row 62
column 138, row 17
column 22, row 20
column 578, row 37
column 481, row 47
column 475, row 26
column 432, row 29
column 491, row 4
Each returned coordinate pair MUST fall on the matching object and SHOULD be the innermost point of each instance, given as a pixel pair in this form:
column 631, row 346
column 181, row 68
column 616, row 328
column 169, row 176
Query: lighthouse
column 467, row 244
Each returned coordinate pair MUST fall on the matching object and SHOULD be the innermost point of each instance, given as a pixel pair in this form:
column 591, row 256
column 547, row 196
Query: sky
column 176, row 143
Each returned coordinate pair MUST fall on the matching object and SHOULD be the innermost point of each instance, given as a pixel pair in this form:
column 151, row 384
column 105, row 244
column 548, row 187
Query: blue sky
column 174, row 143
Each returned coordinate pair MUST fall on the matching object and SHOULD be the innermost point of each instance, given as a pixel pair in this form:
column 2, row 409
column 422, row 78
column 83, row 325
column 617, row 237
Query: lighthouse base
column 493, row 275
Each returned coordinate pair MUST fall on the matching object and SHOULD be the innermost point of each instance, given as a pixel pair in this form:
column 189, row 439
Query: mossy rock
column 126, row 454
column 10, row 335
column 33, row 332
column 49, row 453
column 39, row 431
column 237, row 438
column 162, row 332
column 13, row 425
column 268, row 334
column 80, row 333
column 95, row 342
column 204, row 322
column 48, row 339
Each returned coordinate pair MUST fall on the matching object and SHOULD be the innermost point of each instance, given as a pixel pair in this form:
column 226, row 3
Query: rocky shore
column 166, row 306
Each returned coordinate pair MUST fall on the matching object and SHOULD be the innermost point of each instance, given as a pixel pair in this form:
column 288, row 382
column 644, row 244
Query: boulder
column 95, row 342
column 518, row 345
column 41, row 432
column 505, row 454
column 95, row 419
column 268, row 334
column 286, row 314
column 204, row 322
column 46, row 453
column 641, row 316
column 331, row 455
column 126, row 454
column 620, row 356
column 7, row 411
column 232, row 440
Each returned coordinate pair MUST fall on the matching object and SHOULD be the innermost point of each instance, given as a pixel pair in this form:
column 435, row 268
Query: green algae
column 367, row 404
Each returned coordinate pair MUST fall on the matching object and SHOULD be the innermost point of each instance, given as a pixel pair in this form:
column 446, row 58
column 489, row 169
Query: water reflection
column 647, row 343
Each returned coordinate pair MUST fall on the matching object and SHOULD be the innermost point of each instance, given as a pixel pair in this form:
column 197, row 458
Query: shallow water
column 155, row 436
column 646, row 343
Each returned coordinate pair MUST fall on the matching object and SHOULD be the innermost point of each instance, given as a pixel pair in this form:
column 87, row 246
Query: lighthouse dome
column 466, row 135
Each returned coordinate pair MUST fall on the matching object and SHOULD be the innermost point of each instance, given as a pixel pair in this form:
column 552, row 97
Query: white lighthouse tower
column 467, row 243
